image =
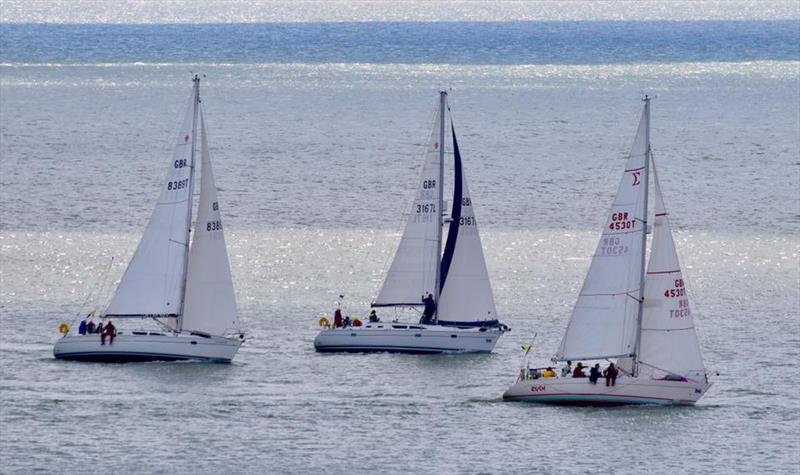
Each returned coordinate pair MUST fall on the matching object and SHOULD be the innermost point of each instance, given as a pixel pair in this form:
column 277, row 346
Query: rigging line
column 97, row 291
column 613, row 294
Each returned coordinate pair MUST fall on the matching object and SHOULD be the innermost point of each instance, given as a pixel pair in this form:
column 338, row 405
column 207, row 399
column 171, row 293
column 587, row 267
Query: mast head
column 196, row 78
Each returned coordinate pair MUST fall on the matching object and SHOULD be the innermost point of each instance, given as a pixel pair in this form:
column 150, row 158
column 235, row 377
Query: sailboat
column 187, row 291
column 636, row 316
column 454, row 278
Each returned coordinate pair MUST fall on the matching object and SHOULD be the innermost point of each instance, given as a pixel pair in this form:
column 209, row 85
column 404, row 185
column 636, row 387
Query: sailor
column 99, row 328
column 373, row 317
column 90, row 327
column 594, row 373
column 566, row 370
column 430, row 309
column 109, row 331
column 82, row 328
column 549, row 372
column 346, row 321
column 578, row 371
column 337, row 318
column 611, row 375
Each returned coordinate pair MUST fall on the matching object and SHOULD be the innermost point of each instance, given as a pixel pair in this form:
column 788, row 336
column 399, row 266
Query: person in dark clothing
column 82, row 328
column 109, row 331
column 594, row 373
column 430, row 309
column 373, row 317
column 611, row 375
column 346, row 322
column 337, row 318
column 99, row 328
column 90, row 327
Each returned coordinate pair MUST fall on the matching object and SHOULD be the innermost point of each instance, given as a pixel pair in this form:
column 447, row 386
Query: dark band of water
column 572, row 42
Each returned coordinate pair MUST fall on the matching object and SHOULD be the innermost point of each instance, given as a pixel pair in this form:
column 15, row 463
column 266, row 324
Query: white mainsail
column 153, row 283
column 413, row 272
column 604, row 320
column 210, row 302
column 669, row 340
column 466, row 296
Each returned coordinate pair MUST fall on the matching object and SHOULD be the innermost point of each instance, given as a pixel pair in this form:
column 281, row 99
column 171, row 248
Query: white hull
column 628, row 390
column 147, row 346
column 402, row 338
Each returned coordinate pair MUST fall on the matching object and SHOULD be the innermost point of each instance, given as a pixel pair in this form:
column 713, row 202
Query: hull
column 400, row 338
column 147, row 346
column 628, row 390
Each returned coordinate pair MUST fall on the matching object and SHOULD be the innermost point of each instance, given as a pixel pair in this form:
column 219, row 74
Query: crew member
column 430, row 309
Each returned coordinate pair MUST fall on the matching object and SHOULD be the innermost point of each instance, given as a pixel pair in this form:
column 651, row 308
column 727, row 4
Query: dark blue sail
column 455, row 215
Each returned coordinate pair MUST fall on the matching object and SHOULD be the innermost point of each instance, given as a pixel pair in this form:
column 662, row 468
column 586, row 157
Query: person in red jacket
column 110, row 331
column 578, row 371
column 337, row 319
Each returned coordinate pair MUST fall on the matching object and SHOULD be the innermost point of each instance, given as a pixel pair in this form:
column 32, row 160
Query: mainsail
column 210, row 302
column 466, row 293
column 153, row 283
column 413, row 272
column 604, row 320
column 669, row 341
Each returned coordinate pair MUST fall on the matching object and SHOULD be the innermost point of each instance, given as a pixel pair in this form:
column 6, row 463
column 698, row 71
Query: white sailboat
column 463, row 317
column 638, row 317
column 187, row 291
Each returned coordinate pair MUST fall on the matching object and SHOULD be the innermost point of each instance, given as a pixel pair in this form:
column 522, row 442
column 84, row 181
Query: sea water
column 316, row 132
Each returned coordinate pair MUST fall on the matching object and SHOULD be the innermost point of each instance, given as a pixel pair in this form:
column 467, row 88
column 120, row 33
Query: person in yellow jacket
column 549, row 372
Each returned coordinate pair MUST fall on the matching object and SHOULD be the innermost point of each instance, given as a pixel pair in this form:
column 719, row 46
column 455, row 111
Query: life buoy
column 63, row 328
column 324, row 322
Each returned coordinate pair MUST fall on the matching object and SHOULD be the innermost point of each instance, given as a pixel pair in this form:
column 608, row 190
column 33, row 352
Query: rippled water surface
column 314, row 158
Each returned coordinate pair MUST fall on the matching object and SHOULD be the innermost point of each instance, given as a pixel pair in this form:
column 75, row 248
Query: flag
column 526, row 348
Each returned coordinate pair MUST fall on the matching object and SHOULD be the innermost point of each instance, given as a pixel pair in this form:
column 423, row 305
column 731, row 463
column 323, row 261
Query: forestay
column 466, row 293
column 153, row 282
column 412, row 273
column 669, row 341
column 210, row 302
column 604, row 320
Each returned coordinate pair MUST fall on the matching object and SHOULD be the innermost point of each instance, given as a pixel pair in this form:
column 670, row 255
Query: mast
column 190, row 201
column 439, row 206
column 646, row 181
